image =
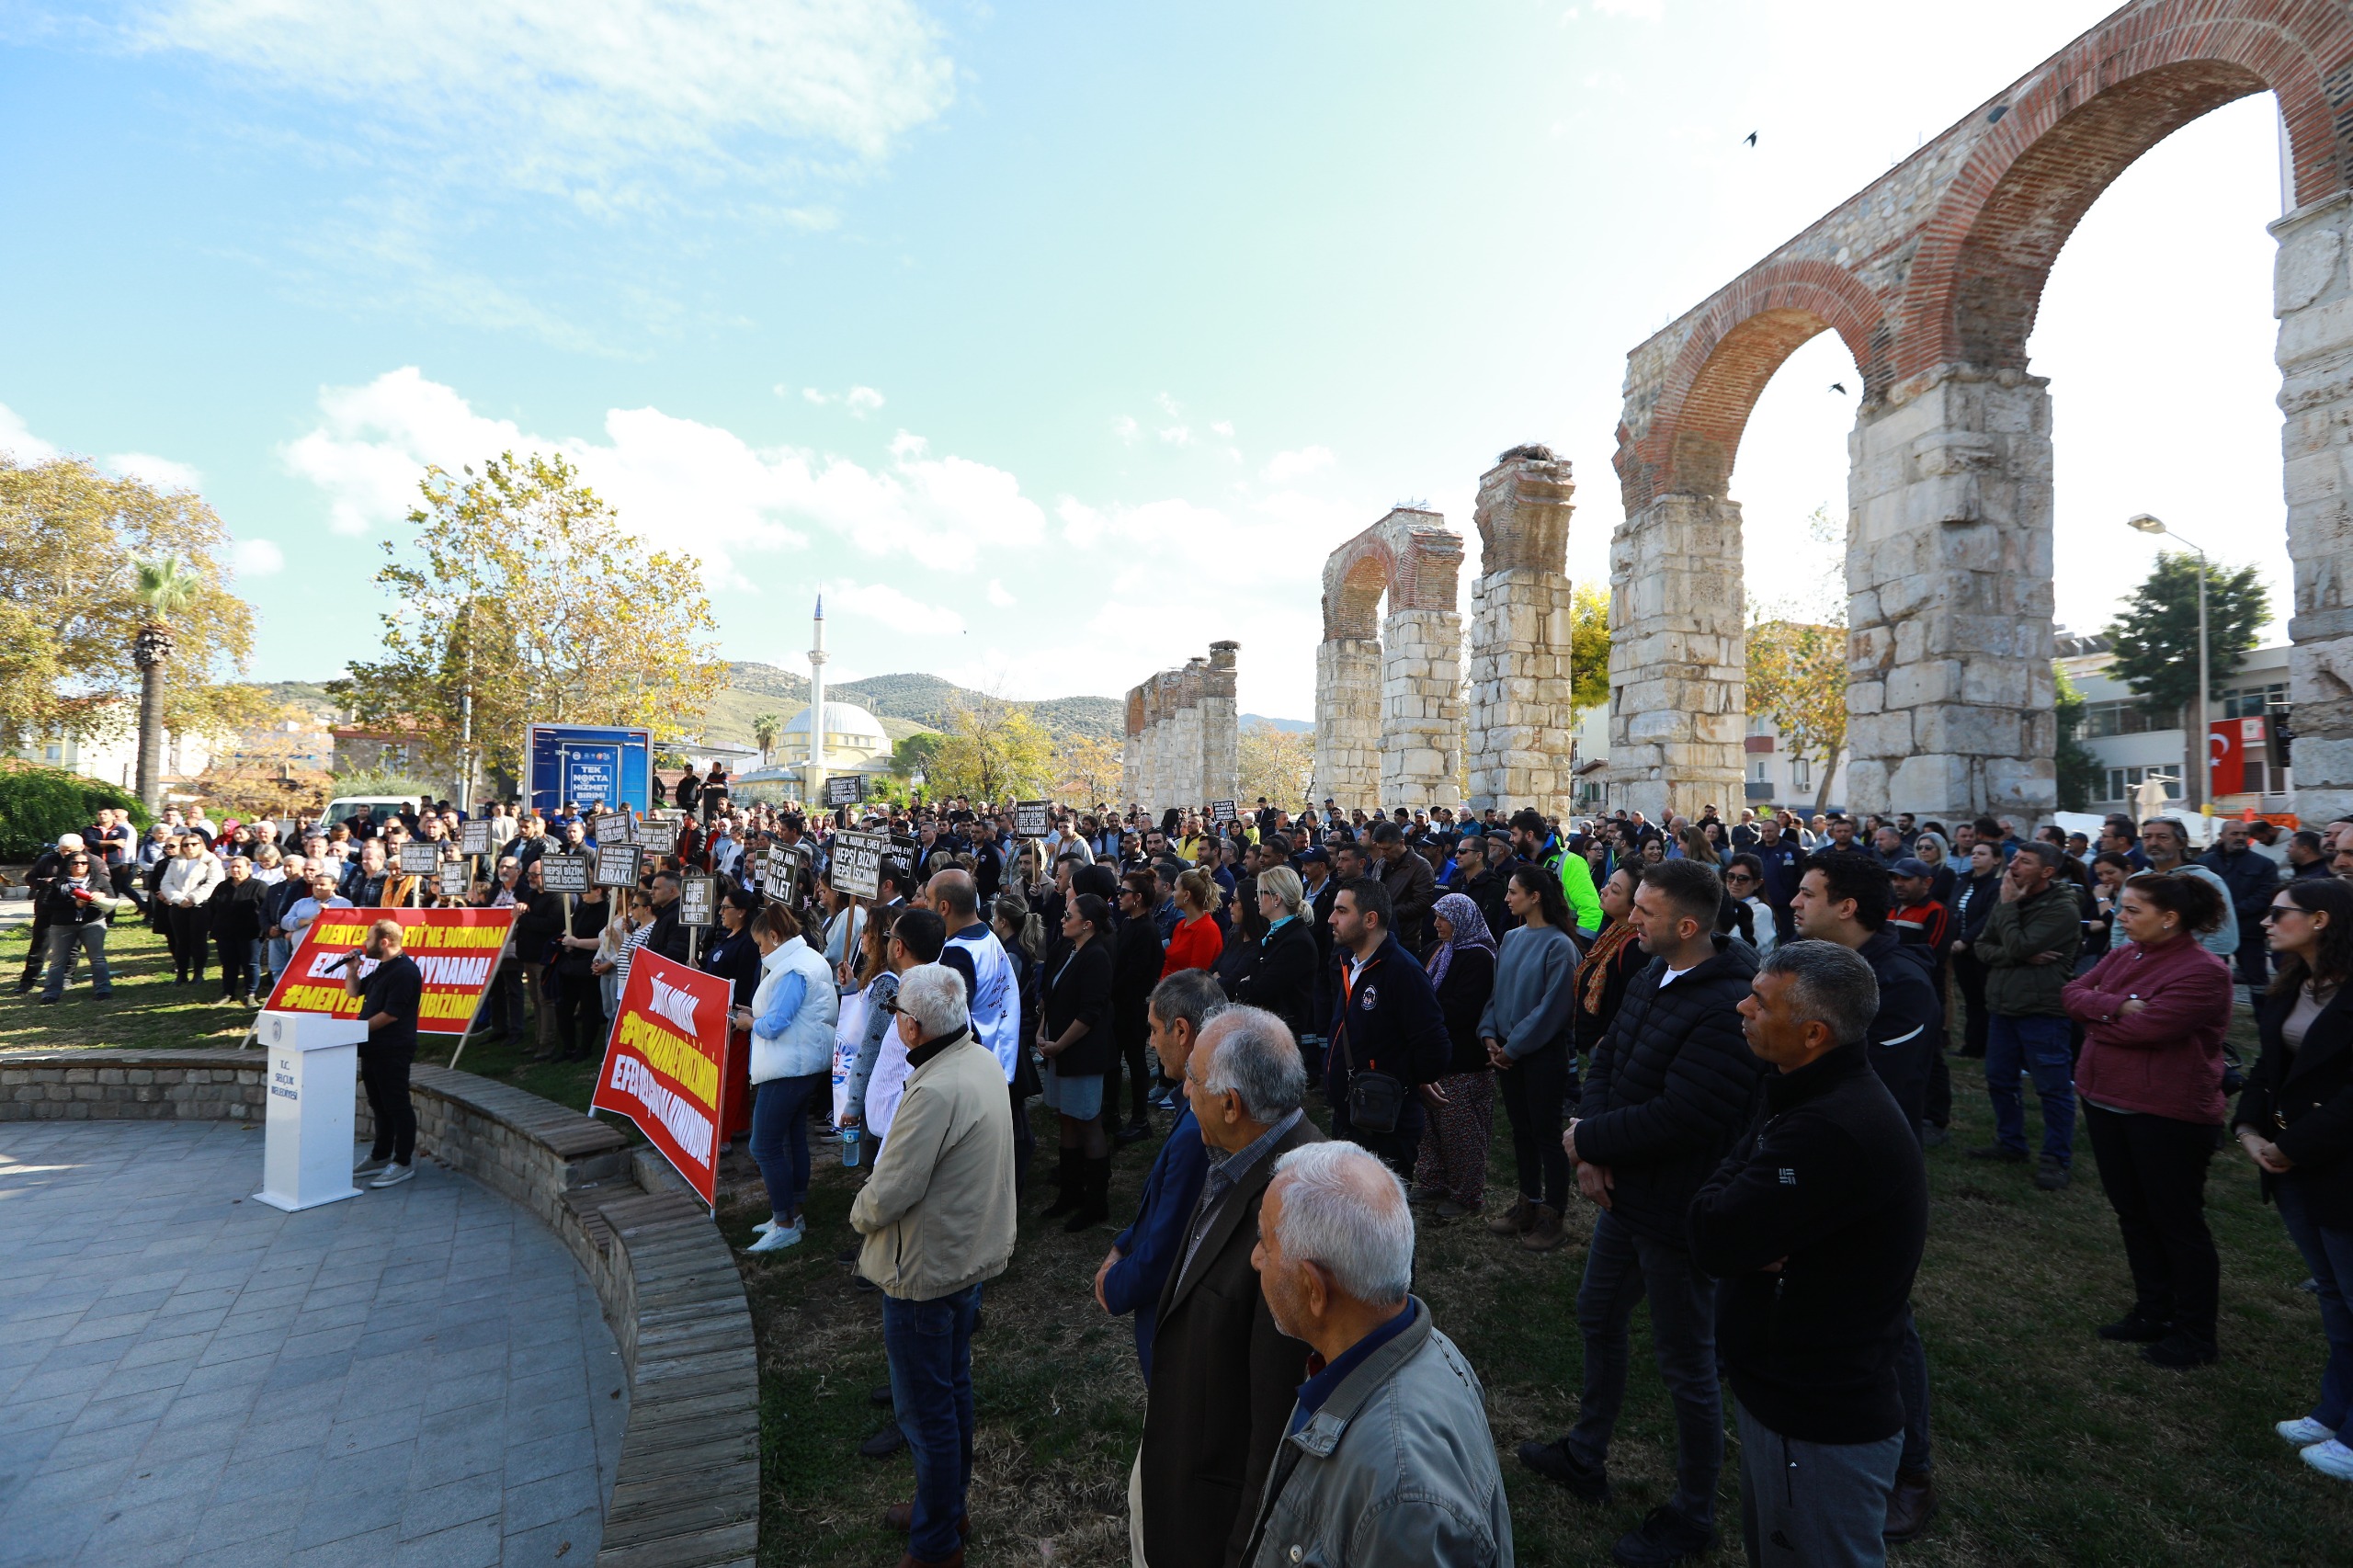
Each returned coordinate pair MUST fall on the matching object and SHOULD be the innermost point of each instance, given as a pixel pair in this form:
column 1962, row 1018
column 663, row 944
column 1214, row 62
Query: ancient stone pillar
column 1949, row 696
column 1221, row 726
column 2314, row 301
column 1132, row 752
column 1521, row 720
column 1679, row 657
column 1348, row 722
column 1421, row 707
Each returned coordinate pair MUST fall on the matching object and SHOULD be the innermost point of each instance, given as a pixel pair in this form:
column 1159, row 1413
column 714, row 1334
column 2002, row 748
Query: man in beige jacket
column 938, row 1216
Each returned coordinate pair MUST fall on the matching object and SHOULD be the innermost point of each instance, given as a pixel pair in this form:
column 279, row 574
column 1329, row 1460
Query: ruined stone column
column 1221, row 726
column 2313, row 300
column 1679, row 657
column 1421, row 709
column 1132, row 752
column 1348, row 722
column 1949, row 691
column 1521, row 720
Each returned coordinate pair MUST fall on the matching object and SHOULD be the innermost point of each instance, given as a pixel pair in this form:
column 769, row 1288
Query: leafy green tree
column 2078, row 768
column 992, row 750
column 765, row 727
column 2155, row 638
column 1588, row 648
column 1797, row 678
column 522, row 590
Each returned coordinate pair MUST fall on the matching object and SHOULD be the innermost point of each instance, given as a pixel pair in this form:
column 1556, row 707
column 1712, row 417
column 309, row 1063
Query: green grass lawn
column 2051, row 1447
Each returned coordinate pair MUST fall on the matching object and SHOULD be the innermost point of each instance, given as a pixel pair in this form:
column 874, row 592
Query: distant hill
column 918, row 701
column 1289, row 726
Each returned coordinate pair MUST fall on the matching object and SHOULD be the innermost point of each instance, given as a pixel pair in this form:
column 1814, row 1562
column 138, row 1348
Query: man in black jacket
column 1815, row 1226
column 1412, row 886
column 2250, row 876
column 1841, row 899
column 1669, row 1092
column 1387, row 1028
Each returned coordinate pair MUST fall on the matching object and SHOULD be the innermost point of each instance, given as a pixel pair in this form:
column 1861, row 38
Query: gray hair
column 1343, row 1208
column 1283, row 882
column 1830, row 984
column 1252, row 1053
column 1190, row 996
column 933, row 994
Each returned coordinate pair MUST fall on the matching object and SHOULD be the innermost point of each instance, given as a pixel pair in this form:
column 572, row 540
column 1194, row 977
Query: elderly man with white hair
column 938, row 1216
column 1387, row 1461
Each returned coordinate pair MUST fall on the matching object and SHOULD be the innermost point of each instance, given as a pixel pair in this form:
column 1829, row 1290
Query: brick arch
column 1355, row 578
column 2065, row 133
column 1743, row 335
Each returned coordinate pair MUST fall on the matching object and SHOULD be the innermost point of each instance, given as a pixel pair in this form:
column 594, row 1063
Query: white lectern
column 313, row 1069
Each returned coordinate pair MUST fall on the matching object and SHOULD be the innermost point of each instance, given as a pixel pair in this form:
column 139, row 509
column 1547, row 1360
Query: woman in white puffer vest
column 791, row 1018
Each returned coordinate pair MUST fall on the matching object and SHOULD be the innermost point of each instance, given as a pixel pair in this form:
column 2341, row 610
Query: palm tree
column 166, row 587
column 765, row 727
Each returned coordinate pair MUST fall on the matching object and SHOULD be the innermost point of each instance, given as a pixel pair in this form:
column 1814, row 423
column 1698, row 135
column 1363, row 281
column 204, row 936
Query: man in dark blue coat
column 1141, row 1257
column 1389, row 1044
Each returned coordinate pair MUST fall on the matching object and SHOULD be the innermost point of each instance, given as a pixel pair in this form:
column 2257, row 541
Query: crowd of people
column 1725, row 1039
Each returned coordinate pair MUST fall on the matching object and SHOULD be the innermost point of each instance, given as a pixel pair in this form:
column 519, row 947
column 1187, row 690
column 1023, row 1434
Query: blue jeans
column 1620, row 1268
column 780, row 1139
column 2328, row 1253
column 1911, row 1385
column 67, row 944
column 1813, row 1505
column 279, row 954
column 930, row 1348
column 2038, row 1046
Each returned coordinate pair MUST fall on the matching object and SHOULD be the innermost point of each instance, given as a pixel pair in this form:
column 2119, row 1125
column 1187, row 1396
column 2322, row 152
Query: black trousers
column 185, row 929
column 384, row 1073
column 1140, row 1083
column 1397, row 1149
column 1533, row 1089
column 236, row 965
column 1025, row 1138
column 39, row 951
column 2154, row 1171
column 579, row 1012
column 1970, row 975
column 501, row 1009
column 1938, row 1111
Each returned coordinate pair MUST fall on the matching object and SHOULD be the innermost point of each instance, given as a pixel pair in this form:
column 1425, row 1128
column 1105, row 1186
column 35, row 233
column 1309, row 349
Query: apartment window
column 2117, row 718
column 1800, row 773
column 2253, row 701
column 52, row 753
column 2122, row 781
column 1758, row 773
column 394, row 758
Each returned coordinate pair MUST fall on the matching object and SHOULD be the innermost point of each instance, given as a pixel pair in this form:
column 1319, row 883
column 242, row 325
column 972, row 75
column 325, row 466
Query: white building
column 2133, row 746
column 112, row 756
column 1775, row 775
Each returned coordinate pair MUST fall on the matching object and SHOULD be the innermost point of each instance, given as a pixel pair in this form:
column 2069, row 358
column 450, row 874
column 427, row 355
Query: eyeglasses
column 2277, row 910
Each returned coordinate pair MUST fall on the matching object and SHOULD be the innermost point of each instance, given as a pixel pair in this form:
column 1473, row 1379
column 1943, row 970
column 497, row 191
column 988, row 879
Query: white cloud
column 902, row 613
column 1223, row 426
column 1640, row 10
column 814, row 395
column 588, row 95
column 680, row 483
column 1125, row 428
column 1177, row 435
column 19, row 441
column 863, row 401
column 999, row 597
column 162, row 474
column 257, row 558
column 1284, row 467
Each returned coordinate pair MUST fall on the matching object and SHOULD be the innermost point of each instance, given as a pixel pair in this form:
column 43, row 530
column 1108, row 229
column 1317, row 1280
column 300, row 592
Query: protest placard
column 451, row 879
column 1032, row 819
column 475, row 836
column 418, row 859
column 566, row 873
column 458, row 949
column 846, row 790
column 618, row 865
column 1222, row 811
column 697, row 900
column 613, row 827
column 666, row 1062
column 857, row 863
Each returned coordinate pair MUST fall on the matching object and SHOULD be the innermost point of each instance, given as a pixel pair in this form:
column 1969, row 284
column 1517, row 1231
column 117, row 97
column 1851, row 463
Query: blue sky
column 1056, row 341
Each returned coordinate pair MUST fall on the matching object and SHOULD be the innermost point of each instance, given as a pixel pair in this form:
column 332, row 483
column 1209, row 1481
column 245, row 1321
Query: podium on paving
column 313, row 1072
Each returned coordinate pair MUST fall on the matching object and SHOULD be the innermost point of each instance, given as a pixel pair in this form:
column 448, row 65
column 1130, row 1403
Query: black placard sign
column 617, row 864
column 697, row 900
column 568, row 873
column 782, row 872
column 475, row 836
column 857, row 863
column 452, row 874
column 418, row 857
column 1032, row 819
column 846, row 790
column 1222, row 811
column 613, row 827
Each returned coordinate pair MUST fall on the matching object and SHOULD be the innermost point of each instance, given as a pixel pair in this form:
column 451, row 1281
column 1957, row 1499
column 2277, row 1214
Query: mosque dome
column 848, row 729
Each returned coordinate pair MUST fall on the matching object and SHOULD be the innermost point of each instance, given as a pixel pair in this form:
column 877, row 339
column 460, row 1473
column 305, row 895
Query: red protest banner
column 665, row 1064
column 458, row 949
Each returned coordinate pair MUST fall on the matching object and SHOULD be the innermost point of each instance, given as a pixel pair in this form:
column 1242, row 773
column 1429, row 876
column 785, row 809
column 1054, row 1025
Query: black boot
column 1095, row 1188
column 1067, row 1183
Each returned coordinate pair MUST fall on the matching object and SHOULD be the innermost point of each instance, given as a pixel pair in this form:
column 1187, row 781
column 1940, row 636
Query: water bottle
column 849, row 1145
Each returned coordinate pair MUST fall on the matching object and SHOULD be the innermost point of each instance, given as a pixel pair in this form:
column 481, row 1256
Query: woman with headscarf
column 1453, row 1170
column 1528, row 1031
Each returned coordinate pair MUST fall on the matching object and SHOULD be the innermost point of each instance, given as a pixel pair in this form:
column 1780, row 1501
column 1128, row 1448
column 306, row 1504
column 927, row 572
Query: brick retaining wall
column 687, row 1491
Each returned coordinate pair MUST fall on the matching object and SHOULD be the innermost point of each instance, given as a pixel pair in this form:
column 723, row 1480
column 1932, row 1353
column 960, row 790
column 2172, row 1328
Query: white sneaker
column 394, row 1174
column 765, row 1226
column 2303, row 1432
column 375, row 1162
column 779, row 1238
column 2331, row 1458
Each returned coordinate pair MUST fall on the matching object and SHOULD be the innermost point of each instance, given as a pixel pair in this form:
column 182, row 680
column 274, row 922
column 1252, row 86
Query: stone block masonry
column 1184, row 742
column 1521, row 722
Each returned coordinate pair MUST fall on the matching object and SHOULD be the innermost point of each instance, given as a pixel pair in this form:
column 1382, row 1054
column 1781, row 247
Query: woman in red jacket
column 2150, row 1080
column 1197, row 943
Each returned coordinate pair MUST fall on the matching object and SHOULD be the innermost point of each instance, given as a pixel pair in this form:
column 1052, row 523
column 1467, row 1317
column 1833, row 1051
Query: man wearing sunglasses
column 75, row 910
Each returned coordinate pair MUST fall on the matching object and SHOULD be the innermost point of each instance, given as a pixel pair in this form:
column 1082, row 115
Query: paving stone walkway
column 188, row 1376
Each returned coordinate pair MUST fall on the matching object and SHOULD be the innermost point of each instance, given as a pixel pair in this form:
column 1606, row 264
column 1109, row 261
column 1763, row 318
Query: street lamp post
column 2202, row 770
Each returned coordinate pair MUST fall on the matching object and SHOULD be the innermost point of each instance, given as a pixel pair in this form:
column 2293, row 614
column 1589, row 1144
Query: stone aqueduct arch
column 1932, row 275
column 1182, row 746
column 1389, row 691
